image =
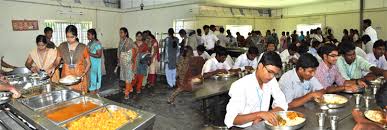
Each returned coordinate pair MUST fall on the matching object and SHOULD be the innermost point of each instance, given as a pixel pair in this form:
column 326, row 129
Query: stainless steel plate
column 283, row 113
column 48, row 99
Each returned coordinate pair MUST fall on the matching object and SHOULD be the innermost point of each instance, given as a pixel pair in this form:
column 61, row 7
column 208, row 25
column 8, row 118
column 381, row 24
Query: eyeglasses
column 272, row 73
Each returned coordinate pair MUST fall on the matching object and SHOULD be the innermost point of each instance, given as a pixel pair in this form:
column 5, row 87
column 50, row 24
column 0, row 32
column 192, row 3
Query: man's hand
column 362, row 83
column 221, row 71
column 15, row 94
column 34, row 69
column 351, row 87
column 249, row 68
column 317, row 94
column 4, row 79
column 268, row 116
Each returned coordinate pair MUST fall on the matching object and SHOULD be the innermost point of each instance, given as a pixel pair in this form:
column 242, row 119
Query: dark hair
column 381, row 96
column 151, row 35
column 198, row 31
column 212, row 26
column 306, row 60
column 221, row 29
column 186, row 49
column 379, row 43
column 367, row 21
column 125, row 30
column 48, row 29
column 346, row 46
column 326, row 49
column 287, row 33
column 139, row 33
column 171, row 31
column 283, row 33
column 267, row 44
column 238, row 33
column 345, row 31
column 201, row 48
column 385, row 43
column 253, row 50
column 73, row 30
column 365, row 38
column 271, row 58
column 205, row 27
column 228, row 32
column 220, row 51
column 182, row 32
column 315, row 44
column 93, row 32
column 41, row 38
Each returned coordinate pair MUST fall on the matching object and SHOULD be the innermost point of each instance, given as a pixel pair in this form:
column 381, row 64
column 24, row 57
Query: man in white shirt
column 209, row 39
column 313, row 50
column 368, row 43
column 250, row 96
column 247, row 61
column 368, row 30
column 269, row 47
column 201, row 51
column 377, row 57
column 222, row 38
column 299, row 84
column 290, row 55
column 216, row 65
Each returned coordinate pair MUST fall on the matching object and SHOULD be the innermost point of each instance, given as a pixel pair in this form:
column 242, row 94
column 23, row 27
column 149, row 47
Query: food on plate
column 290, row 119
column 376, row 116
column 69, row 79
column 102, row 120
column 334, row 99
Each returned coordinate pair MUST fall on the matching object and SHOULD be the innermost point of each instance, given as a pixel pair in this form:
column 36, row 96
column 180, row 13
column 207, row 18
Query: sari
column 46, row 62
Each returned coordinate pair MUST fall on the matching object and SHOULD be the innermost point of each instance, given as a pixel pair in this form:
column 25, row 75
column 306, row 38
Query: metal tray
column 54, row 108
column 331, row 106
column 111, row 108
column 48, row 99
column 70, row 83
column 360, row 90
column 283, row 113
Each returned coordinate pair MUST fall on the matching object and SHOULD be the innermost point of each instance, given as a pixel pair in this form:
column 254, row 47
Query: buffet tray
column 111, row 108
column 48, row 99
column 54, row 108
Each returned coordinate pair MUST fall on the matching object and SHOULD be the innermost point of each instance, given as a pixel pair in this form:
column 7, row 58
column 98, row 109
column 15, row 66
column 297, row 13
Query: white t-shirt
column 380, row 63
column 205, row 55
column 285, row 56
column 223, row 40
column 213, row 65
column 248, row 97
column 372, row 33
column 209, row 40
column 243, row 61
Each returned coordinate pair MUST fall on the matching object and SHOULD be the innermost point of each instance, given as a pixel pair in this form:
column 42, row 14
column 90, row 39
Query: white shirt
column 213, row 64
column 372, row 33
column 380, row 63
column 205, row 55
column 248, row 97
column 243, row 61
column 223, row 40
column 260, row 56
column 209, row 40
column 293, row 88
column 229, row 60
column 360, row 52
column 369, row 47
column 285, row 56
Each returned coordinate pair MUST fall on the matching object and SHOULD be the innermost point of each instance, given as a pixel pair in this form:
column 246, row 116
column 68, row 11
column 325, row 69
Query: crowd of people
column 322, row 64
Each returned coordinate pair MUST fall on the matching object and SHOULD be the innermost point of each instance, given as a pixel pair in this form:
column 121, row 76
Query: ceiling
column 235, row 3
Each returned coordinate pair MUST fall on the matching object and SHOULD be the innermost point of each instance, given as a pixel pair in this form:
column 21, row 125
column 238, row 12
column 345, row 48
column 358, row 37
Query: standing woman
column 43, row 58
column 76, row 59
column 142, row 65
column 171, row 50
column 95, row 52
column 155, row 59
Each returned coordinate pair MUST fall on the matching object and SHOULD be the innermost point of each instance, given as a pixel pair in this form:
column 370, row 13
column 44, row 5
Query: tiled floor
column 184, row 115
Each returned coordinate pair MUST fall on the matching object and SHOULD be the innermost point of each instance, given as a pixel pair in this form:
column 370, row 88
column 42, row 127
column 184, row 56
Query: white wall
column 16, row 45
column 158, row 19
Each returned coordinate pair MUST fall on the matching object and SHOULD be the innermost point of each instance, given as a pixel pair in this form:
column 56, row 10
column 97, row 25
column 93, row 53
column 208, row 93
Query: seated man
column 269, row 47
column 351, row 66
column 250, row 95
column 377, row 55
column 201, row 51
column 328, row 74
column 290, row 55
column 299, row 85
column 363, row 123
column 217, row 64
column 247, row 61
column 313, row 50
column 228, row 60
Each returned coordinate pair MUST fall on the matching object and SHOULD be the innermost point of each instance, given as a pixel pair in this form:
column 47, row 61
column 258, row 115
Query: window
column 307, row 27
column 242, row 29
column 59, row 27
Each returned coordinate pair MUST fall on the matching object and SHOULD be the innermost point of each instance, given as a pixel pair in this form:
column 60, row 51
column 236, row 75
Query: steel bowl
column 330, row 96
column 76, row 81
column 283, row 113
column 5, row 97
column 19, row 71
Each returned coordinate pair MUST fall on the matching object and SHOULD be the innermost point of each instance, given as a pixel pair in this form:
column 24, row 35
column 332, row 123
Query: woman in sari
column 186, row 72
column 95, row 52
column 76, row 59
column 127, row 61
column 45, row 59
